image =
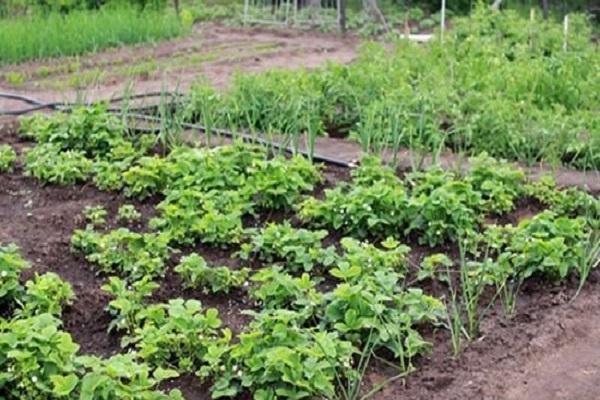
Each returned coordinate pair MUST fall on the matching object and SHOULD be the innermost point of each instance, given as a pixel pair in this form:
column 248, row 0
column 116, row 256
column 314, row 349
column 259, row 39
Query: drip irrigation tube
column 245, row 137
column 39, row 105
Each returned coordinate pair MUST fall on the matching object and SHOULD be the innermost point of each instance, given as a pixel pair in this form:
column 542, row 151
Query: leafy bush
column 7, row 158
column 359, row 259
column 132, row 254
column 50, row 165
column 498, row 183
column 371, row 206
column 278, row 358
column 442, row 208
column 128, row 213
column 279, row 290
column 547, row 244
column 123, row 377
column 278, row 182
column 128, row 302
column 46, row 294
column 37, row 358
column 177, row 334
column 11, row 266
column 196, row 273
column 296, row 249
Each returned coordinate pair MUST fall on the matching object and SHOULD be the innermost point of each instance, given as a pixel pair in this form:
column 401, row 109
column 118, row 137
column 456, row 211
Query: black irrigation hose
column 25, row 99
column 38, row 105
column 245, row 137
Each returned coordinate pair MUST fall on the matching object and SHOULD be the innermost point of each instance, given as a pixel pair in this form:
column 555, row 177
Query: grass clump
column 54, row 35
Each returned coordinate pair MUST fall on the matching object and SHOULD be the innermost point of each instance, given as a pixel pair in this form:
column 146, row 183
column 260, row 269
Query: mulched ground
column 504, row 363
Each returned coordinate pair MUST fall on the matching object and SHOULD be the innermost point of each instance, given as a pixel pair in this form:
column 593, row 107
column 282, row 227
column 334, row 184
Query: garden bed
column 499, row 364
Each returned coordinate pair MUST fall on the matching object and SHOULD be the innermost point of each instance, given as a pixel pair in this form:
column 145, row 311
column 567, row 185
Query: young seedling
column 128, row 213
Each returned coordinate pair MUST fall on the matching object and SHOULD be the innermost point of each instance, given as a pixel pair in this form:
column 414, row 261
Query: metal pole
column 566, row 32
column 443, row 20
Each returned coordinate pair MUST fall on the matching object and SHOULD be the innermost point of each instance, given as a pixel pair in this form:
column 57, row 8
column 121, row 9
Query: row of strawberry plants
column 439, row 205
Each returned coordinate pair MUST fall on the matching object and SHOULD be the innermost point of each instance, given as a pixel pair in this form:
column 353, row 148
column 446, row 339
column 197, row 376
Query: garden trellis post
column 443, row 20
column 566, row 32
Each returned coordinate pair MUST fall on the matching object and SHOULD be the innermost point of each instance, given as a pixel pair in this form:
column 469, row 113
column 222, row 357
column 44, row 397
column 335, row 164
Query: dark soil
column 549, row 350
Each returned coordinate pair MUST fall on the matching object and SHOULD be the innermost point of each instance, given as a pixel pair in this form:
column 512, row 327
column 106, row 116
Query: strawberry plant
column 108, row 172
column 92, row 131
column 108, row 175
column 147, row 177
column 196, row 273
column 49, row 165
column 546, row 244
column 122, row 376
column 128, row 213
column 187, row 216
column 435, row 267
column 441, row 208
column 11, row 266
column 131, row 254
column 37, row 358
column 375, row 210
column 376, row 309
column 279, row 290
column 7, row 158
column 372, row 170
column 128, row 302
column 177, row 334
column 45, row 294
column 499, row 183
column 222, row 168
column 570, row 202
column 296, row 249
column 277, row 358
column 371, row 206
column 95, row 215
column 360, row 259
column 277, row 183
